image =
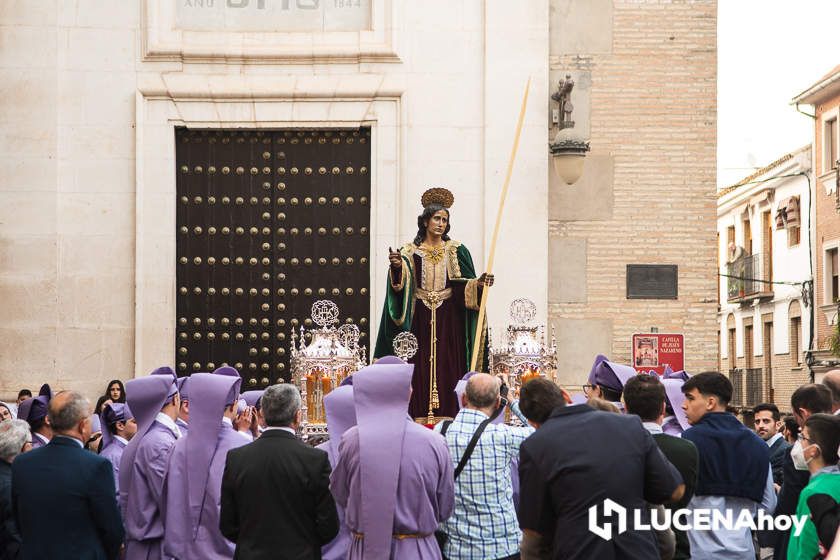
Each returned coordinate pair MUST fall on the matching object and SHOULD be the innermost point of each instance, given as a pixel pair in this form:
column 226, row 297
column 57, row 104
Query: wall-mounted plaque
column 651, row 281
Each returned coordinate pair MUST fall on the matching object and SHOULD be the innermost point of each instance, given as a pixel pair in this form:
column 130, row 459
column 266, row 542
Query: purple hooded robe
column 184, row 391
column 341, row 416
column 143, row 466
column 394, row 478
column 112, row 448
column 35, row 409
column 194, row 480
column 677, row 423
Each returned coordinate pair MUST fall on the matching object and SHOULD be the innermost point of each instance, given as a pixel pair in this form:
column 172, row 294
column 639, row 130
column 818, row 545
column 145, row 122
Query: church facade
column 183, row 179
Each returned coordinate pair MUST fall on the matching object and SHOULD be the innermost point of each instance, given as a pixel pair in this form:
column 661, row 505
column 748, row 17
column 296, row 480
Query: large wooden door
column 268, row 223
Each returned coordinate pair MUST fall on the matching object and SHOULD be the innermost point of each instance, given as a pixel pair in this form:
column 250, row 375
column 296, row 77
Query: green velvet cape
column 399, row 306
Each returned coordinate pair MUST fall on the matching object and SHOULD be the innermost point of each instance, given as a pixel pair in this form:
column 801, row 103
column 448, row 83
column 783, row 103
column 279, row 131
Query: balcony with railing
column 748, row 387
column 747, row 279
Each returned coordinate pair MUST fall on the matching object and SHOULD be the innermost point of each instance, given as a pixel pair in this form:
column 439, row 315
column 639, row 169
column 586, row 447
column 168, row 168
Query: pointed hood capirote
column 341, row 414
column 676, row 397
column 381, row 392
column 598, row 359
column 252, row 398
column 612, row 375
column 212, row 393
column 184, row 388
column 682, row 375
column 146, row 397
column 226, row 370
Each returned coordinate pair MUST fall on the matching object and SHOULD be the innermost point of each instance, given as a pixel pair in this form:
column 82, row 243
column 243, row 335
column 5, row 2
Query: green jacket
column 806, row 545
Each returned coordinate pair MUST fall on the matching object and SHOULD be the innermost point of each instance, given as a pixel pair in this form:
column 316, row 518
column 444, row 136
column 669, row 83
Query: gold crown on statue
column 437, row 195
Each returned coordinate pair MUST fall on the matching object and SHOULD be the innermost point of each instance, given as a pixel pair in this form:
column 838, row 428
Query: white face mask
column 797, row 453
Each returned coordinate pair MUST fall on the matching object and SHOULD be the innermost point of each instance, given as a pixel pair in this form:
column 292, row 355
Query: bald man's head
column 482, row 391
column 68, row 411
column 832, row 380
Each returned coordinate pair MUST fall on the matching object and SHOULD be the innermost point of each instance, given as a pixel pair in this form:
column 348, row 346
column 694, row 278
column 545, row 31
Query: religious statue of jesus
column 433, row 292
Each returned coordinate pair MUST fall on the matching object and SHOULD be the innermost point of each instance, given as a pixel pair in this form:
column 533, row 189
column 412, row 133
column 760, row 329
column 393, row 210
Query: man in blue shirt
column 483, row 524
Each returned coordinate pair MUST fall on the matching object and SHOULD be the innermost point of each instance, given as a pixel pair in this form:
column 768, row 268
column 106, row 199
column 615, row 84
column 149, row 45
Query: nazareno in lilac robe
column 35, row 409
column 112, row 448
column 341, row 416
column 676, row 423
column 393, row 476
column 143, row 465
column 184, row 391
column 194, row 480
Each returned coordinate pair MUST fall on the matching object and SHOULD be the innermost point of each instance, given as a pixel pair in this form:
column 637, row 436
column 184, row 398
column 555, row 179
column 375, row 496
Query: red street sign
column 655, row 351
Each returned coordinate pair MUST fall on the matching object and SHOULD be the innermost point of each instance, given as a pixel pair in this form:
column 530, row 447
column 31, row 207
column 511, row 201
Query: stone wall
column 82, row 299
column 67, row 193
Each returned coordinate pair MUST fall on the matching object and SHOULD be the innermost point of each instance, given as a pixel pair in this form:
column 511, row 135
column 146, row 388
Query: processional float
column 320, row 365
column 323, row 357
column 524, row 353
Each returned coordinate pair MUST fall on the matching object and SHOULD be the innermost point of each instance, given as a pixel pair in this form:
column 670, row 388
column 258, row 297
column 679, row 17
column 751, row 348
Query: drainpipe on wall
column 808, row 287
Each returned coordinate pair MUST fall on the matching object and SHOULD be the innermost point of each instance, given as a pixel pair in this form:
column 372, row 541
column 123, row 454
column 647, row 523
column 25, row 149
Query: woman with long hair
column 114, row 393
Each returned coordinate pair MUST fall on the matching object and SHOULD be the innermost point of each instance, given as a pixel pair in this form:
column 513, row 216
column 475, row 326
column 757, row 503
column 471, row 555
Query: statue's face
column 436, row 225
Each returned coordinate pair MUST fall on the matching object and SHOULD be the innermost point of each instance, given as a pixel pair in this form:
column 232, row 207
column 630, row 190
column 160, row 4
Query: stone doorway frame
column 251, row 102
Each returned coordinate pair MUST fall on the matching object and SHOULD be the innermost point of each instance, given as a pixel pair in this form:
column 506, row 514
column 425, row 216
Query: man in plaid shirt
column 483, row 525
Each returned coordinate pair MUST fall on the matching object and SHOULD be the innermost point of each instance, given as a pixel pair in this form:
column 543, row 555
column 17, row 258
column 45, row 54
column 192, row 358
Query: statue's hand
column 394, row 258
column 486, row 279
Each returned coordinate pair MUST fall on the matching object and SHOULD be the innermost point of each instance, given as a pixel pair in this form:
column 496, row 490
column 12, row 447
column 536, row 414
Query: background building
column 114, row 114
column 764, row 228
column 824, row 96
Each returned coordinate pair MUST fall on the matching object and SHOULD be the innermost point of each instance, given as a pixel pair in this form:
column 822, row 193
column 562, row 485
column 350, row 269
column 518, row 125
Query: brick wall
column 787, row 374
column 653, row 117
column 827, row 221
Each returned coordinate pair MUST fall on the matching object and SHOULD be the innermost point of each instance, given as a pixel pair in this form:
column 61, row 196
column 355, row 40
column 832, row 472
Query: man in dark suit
column 575, row 446
column 766, row 421
column 63, row 497
column 644, row 396
column 276, row 500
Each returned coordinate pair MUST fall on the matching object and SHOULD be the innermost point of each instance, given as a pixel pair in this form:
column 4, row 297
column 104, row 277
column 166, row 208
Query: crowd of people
column 193, row 468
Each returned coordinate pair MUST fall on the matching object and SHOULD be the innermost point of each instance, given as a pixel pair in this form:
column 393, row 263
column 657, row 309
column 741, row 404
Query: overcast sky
column 768, row 51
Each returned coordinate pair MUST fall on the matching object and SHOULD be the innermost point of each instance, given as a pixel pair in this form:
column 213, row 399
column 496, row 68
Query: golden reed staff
column 491, row 257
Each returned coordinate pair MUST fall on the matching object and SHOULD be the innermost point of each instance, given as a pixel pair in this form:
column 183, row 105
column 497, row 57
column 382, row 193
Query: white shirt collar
column 284, row 428
column 774, row 439
column 121, row 439
column 42, row 437
column 180, row 422
column 227, row 421
column 652, row 427
column 167, row 421
column 76, row 441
